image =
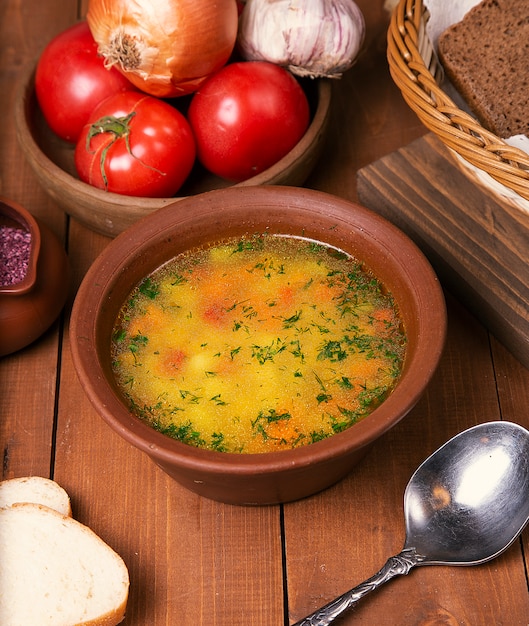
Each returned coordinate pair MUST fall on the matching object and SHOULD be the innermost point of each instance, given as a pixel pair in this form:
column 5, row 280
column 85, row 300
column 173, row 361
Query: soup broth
column 257, row 344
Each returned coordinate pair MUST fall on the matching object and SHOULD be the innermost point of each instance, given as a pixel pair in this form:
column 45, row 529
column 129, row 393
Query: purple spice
column 15, row 246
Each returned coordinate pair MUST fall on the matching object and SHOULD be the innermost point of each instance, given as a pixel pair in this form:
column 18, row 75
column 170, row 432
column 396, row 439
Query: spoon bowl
column 464, row 505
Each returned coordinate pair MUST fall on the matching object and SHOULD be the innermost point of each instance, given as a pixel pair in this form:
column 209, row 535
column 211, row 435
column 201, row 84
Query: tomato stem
column 119, row 127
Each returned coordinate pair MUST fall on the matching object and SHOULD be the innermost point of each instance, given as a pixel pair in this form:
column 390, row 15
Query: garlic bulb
column 309, row 37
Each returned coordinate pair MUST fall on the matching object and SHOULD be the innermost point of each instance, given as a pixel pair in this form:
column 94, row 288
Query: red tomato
column 71, row 80
column 136, row 145
column 246, row 117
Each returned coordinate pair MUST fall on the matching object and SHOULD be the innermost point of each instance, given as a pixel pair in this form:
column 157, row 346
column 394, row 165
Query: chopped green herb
column 149, row 288
column 258, row 343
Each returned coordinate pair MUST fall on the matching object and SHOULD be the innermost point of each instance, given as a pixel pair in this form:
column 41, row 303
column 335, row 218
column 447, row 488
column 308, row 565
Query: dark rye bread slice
column 486, row 57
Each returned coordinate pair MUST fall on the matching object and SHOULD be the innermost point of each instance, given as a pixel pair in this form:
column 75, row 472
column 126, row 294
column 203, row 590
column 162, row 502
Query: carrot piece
column 173, row 360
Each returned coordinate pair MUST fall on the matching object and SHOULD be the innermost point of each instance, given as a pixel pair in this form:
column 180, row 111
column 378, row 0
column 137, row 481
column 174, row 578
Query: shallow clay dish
column 108, row 213
column 276, row 476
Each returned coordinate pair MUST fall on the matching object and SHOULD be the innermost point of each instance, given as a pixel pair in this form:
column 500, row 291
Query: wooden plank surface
column 193, row 561
column 478, row 246
column 360, row 528
column 27, row 420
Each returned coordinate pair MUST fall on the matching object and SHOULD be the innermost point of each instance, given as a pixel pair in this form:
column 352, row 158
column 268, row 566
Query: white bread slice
column 35, row 489
column 54, row 571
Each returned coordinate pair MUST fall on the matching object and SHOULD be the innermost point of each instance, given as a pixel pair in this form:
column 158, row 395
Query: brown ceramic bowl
column 30, row 306
column 275, row 476
column 108, row 213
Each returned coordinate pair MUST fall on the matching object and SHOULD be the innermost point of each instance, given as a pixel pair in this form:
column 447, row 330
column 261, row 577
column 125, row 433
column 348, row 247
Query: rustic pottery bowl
column 275, row 476
column 108, row 213
column 30, row 305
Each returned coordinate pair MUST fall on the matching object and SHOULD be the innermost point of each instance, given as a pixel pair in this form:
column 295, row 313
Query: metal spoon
column 464, row 505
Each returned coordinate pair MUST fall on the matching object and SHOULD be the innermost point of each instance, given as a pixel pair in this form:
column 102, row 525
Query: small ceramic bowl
column 29, row 305
column 206, row 218
column 108, row 213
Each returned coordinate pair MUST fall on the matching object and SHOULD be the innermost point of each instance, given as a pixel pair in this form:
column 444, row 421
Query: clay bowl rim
column 22, row 113
column 415, row 272
column 17, row 213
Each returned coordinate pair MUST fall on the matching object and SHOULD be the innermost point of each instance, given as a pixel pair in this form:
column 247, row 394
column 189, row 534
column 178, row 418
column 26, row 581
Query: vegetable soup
column 257, row 344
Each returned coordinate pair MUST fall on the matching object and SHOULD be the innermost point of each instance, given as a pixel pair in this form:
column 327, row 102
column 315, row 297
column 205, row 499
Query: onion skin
column 166, row 48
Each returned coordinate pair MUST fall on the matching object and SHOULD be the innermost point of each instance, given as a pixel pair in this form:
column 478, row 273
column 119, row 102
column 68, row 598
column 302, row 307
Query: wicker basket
column 416, row 70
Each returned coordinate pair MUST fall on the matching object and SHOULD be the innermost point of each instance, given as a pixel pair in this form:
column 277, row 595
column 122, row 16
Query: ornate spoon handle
column 399, row 564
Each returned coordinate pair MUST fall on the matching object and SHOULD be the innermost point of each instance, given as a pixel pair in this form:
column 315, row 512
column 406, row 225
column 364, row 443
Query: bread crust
column 35, row 489
column 15, row 521
column 486, row 57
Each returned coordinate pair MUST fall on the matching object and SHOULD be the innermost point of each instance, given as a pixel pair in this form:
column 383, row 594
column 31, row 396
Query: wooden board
column 478, row 247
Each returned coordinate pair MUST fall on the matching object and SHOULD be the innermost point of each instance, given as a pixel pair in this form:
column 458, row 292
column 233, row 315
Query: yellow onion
column 166, row 48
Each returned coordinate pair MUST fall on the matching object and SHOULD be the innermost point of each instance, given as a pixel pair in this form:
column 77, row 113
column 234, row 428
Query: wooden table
column 193, row 561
